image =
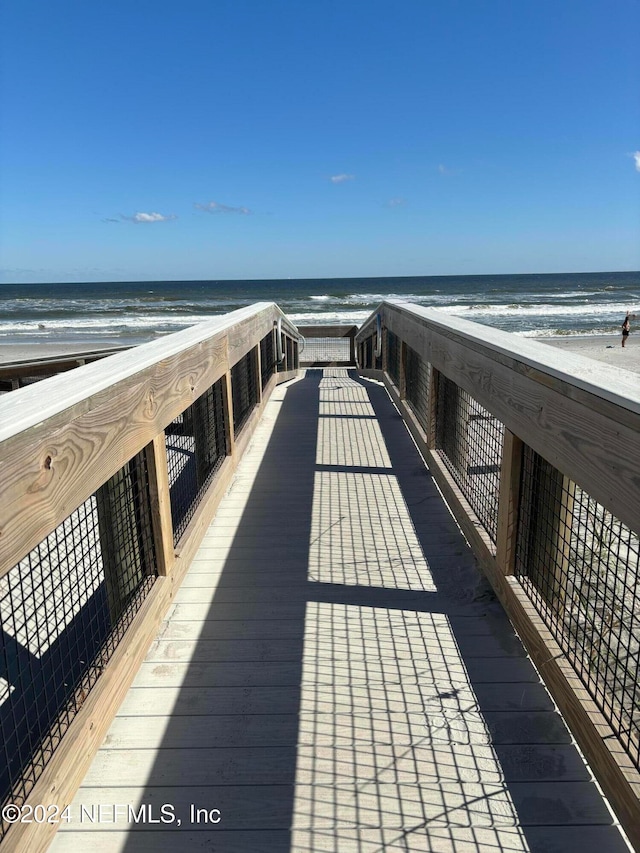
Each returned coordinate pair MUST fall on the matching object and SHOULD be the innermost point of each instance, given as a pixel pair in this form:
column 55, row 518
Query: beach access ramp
column 267, row 607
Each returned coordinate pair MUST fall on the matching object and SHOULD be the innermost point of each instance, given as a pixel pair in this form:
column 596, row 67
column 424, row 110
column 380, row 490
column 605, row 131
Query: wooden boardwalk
column 333, row 674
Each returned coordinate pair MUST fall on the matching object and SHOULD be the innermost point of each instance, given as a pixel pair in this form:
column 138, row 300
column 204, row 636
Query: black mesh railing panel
column 291, row 359
column 417, row 386
column 244, row 389
column 326, row 351
column 267, row 359
column 368, row 353
column 196, row 443
column 63, row 610
column 393, row 357
column 283, row 365
column 580, row 566
column 470, row 439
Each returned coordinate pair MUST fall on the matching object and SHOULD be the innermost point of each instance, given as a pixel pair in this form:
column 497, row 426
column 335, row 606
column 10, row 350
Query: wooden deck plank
column 518, row 728
column 280, row 649
column 276, row 699
column 334, row 675
column 413, row 676
column 327, row 765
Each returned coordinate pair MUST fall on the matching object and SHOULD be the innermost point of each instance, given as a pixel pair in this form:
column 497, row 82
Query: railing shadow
column 342, row 688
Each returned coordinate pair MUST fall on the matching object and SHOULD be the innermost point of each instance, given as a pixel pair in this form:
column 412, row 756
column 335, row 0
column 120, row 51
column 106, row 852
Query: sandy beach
column 605, row 348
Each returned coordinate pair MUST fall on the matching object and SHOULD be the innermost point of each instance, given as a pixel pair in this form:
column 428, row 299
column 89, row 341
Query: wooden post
column 508, row 502
column 157, row 467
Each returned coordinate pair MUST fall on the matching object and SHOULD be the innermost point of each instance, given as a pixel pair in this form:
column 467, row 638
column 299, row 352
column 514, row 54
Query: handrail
column 93, row 459
column 541, row 394
column 109, row 409
column 536, row 453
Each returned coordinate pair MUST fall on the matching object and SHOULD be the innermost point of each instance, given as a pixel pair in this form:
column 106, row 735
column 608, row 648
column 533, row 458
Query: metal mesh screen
column 369, row 353
column 267, row 359
column 417, row 386
column 393, row 357
column 327, row 351
column 284, row 364
column 470, row 439
column 63, row 610
column 580, row 566
column 244, row 389
column 196, row 443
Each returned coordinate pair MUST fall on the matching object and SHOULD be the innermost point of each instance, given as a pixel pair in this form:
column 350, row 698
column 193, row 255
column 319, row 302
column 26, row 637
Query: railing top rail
column 616, row 385
column 7, row 363
column 28, row 407
column 328, row 331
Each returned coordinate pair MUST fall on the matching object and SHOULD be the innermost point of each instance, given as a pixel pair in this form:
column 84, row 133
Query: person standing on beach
column 626, row 327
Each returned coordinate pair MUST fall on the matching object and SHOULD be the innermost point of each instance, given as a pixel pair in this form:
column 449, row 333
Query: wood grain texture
column 47, row 476
column 161, row 520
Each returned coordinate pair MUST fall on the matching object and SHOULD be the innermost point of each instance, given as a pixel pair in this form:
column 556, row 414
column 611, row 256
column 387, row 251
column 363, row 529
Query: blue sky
column 279, row 138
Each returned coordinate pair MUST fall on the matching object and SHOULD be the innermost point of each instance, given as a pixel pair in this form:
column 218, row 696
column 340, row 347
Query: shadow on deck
column 334, row 675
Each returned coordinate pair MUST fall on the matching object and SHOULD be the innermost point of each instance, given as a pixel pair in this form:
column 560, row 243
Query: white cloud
column 396, row 202
column 150, row 217
column 340, row 179
column 636, row 157
column 216, row 207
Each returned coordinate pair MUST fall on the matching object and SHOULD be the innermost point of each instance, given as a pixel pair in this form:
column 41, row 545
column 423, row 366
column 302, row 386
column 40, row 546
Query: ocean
column 129, row 313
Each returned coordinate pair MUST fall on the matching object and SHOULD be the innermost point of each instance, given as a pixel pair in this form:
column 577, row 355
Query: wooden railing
column 16, row 374
column 110, row 476
column 536, row 452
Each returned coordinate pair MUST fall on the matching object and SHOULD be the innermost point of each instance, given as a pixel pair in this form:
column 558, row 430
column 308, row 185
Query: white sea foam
column 538, row 310
column 326, row 318
column 101, row 323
